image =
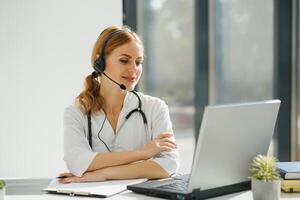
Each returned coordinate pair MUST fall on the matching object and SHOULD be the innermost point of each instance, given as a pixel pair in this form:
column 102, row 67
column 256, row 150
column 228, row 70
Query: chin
column 130, row 87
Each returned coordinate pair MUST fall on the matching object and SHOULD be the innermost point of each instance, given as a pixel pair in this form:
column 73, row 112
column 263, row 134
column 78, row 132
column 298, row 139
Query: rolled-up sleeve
column 77, row 153
column 168, row 160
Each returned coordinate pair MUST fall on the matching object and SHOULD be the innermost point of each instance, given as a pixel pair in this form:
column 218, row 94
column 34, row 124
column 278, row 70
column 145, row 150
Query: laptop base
column 196, row 194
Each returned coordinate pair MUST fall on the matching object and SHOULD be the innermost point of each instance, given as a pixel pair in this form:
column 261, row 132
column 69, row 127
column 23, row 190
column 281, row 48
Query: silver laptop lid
column 229, row 137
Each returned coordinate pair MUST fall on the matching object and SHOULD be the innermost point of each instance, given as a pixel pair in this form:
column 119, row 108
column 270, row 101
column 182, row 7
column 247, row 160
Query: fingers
column 66, row 174
column 94, row 176
column 164, row 135
column 65, row 177
column 167, row 146
column 163, row 142
column 167, row 140
column 73, row 179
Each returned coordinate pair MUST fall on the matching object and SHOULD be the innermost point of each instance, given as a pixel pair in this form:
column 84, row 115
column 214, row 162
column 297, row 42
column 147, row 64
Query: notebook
column 229, row 137
column 91, row 189
column 289, row 170
column 290, row 185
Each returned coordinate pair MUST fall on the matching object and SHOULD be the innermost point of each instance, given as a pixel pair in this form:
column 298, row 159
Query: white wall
column 45, row 48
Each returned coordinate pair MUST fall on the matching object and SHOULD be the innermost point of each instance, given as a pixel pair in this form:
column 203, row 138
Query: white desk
column 17, row 189
column 132, row 196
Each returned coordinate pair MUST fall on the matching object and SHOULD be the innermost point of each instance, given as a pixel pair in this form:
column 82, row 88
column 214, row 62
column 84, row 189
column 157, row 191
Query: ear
column 97, row 55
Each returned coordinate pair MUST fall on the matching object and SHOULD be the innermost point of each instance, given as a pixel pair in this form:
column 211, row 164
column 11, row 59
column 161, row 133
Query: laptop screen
column 229, row 137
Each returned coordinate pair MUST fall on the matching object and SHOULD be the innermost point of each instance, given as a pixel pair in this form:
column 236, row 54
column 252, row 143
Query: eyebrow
column 141, row 57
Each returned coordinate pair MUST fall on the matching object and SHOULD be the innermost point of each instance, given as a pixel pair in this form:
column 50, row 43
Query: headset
column 99, row 67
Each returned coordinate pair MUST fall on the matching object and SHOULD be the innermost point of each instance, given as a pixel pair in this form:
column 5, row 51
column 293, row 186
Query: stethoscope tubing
column 138, row 109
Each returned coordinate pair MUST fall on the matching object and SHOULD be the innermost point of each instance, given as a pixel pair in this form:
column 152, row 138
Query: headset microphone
column 122, row 86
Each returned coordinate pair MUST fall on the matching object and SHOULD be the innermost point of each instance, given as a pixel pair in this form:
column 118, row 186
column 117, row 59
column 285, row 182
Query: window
column 167, row 31
column 242, row 49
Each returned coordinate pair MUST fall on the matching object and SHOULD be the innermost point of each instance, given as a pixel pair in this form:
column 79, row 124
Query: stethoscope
column 138, row 109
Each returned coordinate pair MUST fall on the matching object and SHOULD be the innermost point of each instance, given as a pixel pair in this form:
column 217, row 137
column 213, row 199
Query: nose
column 133, row 67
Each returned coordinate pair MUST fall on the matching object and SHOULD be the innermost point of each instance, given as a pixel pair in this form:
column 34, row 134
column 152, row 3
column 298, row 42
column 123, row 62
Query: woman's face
column 124, row 64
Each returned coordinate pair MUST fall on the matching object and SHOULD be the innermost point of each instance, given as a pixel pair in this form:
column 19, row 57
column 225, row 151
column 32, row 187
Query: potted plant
column 2, row 189
column 265, row 179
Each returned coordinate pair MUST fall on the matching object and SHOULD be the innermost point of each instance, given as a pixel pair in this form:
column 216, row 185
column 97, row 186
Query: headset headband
column 112, row 34
column 99, row 64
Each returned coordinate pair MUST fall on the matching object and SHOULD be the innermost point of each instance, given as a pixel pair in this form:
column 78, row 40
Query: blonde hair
column 90, row 100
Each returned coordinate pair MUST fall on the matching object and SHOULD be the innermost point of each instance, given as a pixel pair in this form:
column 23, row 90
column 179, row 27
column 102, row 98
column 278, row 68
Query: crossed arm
column 128, row 164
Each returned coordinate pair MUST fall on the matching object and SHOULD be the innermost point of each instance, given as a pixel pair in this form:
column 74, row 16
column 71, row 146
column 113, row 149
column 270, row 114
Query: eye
column 139, row 63
column 124, row 61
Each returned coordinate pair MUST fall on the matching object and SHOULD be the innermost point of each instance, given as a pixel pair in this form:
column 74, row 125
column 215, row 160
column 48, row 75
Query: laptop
column 229, row 138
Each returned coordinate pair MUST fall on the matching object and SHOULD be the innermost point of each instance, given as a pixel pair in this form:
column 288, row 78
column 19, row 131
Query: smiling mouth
column 129, row 79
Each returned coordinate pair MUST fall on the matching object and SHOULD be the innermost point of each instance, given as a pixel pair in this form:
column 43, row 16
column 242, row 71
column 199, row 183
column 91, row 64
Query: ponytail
column 89, row 100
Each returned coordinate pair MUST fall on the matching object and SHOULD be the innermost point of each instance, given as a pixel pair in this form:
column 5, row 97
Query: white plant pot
column 265, row 190
column 2, row 193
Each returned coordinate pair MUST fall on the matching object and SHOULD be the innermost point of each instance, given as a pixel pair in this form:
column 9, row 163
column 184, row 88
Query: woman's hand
column 93, row 176
column 162, row 142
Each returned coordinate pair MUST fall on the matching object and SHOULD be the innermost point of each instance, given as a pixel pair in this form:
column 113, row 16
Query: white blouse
column 130, row 134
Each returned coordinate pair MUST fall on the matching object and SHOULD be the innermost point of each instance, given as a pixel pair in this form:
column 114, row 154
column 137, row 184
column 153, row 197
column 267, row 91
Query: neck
column 113, row 97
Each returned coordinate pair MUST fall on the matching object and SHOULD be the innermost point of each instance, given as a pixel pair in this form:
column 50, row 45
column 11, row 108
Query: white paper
column 105, row 188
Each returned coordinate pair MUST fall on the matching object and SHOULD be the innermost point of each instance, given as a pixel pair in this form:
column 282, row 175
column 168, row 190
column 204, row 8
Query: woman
column 113, row 132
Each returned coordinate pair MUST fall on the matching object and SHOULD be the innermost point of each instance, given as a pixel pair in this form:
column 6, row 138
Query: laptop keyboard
column 176, row 185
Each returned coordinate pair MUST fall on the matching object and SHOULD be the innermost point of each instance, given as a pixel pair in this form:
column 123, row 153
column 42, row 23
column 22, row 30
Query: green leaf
column 2, row 184
column 264, row 168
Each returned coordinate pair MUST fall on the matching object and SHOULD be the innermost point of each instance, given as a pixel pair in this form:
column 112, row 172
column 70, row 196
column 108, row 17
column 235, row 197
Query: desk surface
column 132, row 196
column 31, row 189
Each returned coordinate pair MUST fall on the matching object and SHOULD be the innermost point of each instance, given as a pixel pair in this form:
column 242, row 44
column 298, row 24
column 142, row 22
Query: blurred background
column 198, row 53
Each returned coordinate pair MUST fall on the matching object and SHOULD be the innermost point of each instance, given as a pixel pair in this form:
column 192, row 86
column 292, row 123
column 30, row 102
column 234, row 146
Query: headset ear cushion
column 100, row 64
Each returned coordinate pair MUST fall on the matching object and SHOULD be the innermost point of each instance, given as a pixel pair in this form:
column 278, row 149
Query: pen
column 61, row 177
